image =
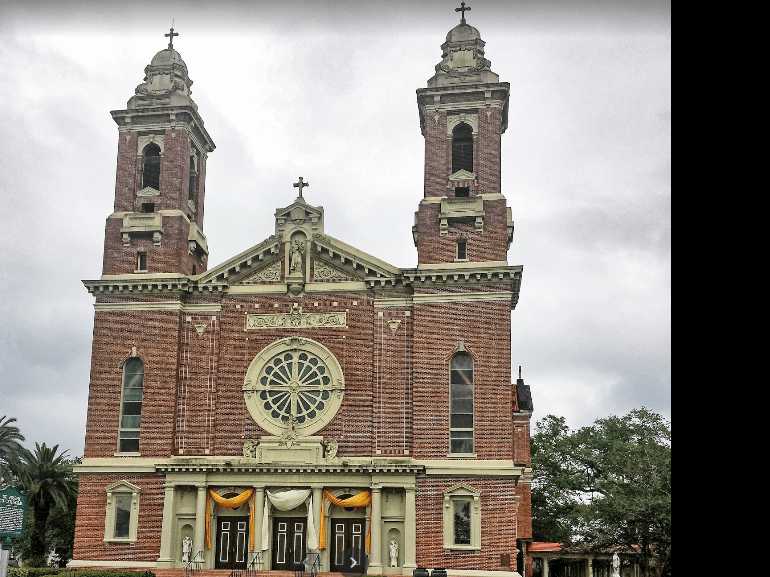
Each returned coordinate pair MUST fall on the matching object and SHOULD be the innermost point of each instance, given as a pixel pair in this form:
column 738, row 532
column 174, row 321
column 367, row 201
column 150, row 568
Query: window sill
column 119, row 540
column 462, row 548
column 462, row 456
column 126, row 454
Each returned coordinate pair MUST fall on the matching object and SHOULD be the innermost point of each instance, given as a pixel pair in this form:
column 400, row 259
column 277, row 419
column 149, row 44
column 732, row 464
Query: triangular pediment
column 462, row 174
column 348, row 258
column 243, row 265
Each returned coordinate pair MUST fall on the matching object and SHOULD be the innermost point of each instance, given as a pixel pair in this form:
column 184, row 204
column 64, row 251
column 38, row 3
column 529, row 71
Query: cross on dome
column 170, row 35
column 463, row 8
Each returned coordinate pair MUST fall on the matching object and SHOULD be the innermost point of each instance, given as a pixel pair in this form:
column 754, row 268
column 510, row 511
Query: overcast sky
column 326, row 90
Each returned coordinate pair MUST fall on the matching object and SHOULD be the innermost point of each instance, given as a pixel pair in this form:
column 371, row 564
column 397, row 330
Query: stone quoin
column 304, row 399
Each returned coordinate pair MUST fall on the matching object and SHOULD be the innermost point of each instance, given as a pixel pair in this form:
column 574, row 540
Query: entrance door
column 232, row 542
column 288, row 542
column 347, row 548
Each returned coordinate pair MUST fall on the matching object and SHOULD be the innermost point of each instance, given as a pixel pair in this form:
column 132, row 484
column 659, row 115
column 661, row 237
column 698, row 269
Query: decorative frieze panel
column 271, row 273
column 296, row 319
column 322, row 272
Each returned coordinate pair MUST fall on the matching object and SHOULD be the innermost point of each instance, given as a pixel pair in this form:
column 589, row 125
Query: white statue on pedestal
column 393, row 552
column 615, row 565
column 186, row 549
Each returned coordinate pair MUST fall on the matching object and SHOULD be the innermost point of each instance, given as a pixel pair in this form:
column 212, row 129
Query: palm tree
column 10, row 438
column 47, row 480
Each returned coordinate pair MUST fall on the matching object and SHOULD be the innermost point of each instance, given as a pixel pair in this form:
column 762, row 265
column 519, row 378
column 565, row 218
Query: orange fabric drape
column 362, row 499
column 231, row 503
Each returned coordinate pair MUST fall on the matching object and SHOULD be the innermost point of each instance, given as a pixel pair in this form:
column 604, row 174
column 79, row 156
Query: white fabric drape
column 286, row 501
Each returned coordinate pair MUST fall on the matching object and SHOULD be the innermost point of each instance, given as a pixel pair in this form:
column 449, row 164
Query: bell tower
column 157, row 222
column 463, row 216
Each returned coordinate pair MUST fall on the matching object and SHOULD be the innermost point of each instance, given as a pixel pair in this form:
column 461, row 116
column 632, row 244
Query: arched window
column 131, row 405
column 461, row 404
column 151, row 166
column 462, row 148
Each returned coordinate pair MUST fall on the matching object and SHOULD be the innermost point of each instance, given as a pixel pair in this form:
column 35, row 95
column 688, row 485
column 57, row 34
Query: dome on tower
column 166, row 82
column 462, row 59
column 166, row 57
column 463, row 32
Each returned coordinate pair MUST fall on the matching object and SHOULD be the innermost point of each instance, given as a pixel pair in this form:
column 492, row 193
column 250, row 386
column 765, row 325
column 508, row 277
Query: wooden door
column 232, row 543
column 288, row 542
column 347, row 545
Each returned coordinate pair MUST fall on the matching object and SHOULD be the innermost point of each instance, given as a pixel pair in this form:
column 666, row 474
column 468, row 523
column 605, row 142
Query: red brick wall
column 155, row 334
column 491, row 244
column 437, row 161
column 125, row 176
column 521, row 449
column 171, row 256
column 499, row 509
column 392, row 400
column 352, row 427
column 89, row 522
column 487, row 167
column 524, row 515
column 484, row 328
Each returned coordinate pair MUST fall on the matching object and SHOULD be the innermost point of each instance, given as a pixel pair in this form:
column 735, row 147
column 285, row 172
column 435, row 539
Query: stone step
column 226, row 573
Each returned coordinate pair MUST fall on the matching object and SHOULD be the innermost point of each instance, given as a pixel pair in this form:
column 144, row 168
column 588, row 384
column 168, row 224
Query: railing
column 253, row 567
column 193, row 565
column 311, row 564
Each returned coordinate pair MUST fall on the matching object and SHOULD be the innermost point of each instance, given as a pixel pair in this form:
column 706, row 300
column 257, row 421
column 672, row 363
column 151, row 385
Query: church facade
column 305, row 401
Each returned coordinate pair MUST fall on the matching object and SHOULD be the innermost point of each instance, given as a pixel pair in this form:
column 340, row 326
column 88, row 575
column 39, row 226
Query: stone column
column 545, row 566
column 410, row 529
column 200, row 523
column 375, row 555
column 590, row 567
column 167, row 530
column 317, row 502
column 259, row 511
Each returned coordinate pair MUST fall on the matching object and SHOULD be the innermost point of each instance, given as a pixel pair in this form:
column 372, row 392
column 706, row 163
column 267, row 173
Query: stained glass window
column 295, row 384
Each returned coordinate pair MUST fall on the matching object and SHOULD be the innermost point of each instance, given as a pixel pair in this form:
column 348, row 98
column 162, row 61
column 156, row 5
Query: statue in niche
column 393, row 552
column 186, row 549
column 615, row 565
column 295, row 261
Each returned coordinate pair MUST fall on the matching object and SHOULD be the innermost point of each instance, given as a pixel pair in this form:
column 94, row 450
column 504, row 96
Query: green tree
column 10, row 445
column 46, row 477
column 606, row 485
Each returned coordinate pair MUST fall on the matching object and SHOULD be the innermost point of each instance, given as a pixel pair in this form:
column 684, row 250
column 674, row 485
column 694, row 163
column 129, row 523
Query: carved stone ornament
column 322, row 272
column 271, row 273
column 296, row 319
column 330, row 452
column 250, row 449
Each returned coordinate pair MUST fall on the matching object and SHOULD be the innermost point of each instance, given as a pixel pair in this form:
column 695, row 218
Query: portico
column 391, row 514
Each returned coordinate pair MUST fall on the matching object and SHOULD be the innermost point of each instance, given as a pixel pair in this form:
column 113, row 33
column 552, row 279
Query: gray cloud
column 327, row 91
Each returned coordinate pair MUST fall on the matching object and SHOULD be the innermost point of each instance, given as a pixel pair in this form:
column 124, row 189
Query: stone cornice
column 346, row 465
column 125, row 119
column 245, row 467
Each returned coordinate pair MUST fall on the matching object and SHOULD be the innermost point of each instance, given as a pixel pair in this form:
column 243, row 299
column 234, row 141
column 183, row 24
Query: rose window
column 295, row 382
